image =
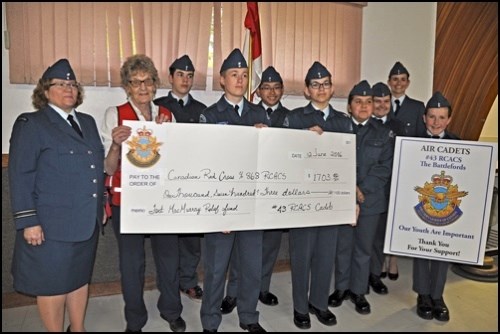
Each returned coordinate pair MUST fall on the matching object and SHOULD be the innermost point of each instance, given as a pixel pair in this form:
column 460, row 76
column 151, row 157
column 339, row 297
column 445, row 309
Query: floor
column 473, row 307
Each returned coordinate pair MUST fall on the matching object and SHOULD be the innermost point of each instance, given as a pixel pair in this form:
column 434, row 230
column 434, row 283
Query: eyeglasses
column 137, row 83
column 64, row 85
column 269, row 88
column 317, row 85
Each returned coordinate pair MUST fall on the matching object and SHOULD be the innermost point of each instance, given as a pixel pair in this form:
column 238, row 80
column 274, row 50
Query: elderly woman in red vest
column 139, row 79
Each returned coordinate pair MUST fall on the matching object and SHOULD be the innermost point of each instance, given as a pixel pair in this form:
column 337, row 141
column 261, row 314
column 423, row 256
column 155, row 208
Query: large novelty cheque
column 187, row 178
column 441, row 196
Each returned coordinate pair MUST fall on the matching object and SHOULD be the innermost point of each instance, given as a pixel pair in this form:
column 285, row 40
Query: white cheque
column 196, row 178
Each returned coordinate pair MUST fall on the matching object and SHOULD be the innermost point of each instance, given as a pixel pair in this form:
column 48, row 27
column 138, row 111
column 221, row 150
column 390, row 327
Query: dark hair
column 449, row 111
column 308, row 81
column 39, row 100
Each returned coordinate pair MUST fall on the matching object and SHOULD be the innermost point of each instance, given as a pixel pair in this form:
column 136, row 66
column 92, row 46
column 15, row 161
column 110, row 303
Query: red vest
column 126, row 112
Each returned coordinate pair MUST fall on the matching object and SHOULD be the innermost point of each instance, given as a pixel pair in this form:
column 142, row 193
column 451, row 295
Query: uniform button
column 94, row 181
column 71, row 152
column 92, row 166
column 89, row 152
column 94, row 195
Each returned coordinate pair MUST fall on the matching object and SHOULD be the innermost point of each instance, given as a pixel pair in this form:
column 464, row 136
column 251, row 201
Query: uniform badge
column 143, row 148
column 439, row 201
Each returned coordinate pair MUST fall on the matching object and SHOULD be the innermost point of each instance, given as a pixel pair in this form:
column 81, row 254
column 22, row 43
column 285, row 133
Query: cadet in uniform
column 270, row 91
column 56, row 179
column 383, row 114
column 429, row 276
column 374, row 154
column 406, row 109
column 312, row 249
column 186, row 110
column 233, row 108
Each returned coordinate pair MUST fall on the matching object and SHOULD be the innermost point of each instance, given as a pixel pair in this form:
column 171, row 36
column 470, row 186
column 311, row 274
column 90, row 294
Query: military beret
column 361, row 89
column 271, row 75
column 438, row 101
column 234, row 60
column 183, row 63
column 60, row 70
column 380, row 89
column 317, row 71
column 397, row 69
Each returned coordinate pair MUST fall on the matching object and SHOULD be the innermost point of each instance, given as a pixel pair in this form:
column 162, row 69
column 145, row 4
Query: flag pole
column 250, row 70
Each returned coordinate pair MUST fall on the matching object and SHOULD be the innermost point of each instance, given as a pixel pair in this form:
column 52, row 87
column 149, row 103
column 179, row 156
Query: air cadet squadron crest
column 143, row 148
column 439, row 200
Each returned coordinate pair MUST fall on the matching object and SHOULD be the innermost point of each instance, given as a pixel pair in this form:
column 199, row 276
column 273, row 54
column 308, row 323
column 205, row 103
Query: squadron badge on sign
column 143, row 148
column 439, row 201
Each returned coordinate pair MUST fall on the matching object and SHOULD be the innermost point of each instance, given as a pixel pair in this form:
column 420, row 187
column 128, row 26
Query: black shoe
column 228, row 305
column 131, row 330
column 209, row 330
column 362, row 305
column 177, row 325
column 302, row 321
column 337, row 297
column 268, row 298
column 325, row 317
column 424, row 307
column 440, row 310
column 392, row 276
column 377, row 285
column 383, row 274
column 194, row 293
column 254, row 328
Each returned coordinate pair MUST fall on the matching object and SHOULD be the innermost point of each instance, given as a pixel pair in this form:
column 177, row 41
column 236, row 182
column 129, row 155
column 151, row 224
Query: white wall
column 391, row 32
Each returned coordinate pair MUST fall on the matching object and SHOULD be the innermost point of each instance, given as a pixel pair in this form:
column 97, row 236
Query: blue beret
column 60, row 70
column 271, row 75
column 317, row 71
column 380, row 89
column 183, row 63
column 438, row 101
column 361, row 89
column 397, row 69
column 234, row 60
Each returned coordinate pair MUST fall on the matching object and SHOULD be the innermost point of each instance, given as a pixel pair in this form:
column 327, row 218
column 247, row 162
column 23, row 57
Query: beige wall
column 490, row 128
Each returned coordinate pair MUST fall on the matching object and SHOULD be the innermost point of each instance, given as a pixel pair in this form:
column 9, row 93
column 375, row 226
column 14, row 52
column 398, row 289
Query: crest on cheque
column 143, row 148
column 439, row 200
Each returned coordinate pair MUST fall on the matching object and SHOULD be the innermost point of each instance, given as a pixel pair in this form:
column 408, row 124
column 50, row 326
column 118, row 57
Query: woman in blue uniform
column 56, row 177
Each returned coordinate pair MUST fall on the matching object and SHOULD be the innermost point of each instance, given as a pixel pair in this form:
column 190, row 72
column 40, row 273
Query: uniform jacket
column 56, row 177
column 278, row 116
column 223, row 113
column 190, row 113
column 411, row 114
column 307, row 117
column 374, row 154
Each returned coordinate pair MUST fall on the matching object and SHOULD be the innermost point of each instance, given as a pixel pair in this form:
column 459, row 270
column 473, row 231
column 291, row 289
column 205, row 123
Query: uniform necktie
column 236, row 108
column 181, row 102
column 269, row 112
column 434, row 137
column 380, row 120
column 357, row 127
column 74, row 125
column 398, row 106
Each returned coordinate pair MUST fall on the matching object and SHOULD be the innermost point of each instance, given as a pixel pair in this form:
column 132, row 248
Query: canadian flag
column 252, row 48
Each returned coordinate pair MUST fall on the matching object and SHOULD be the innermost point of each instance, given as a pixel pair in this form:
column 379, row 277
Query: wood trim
column 5, row 160
column 466, row 62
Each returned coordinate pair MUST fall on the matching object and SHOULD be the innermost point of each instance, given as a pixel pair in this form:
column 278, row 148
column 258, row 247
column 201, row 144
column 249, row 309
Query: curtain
column 294, row 35
column 97, row 37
